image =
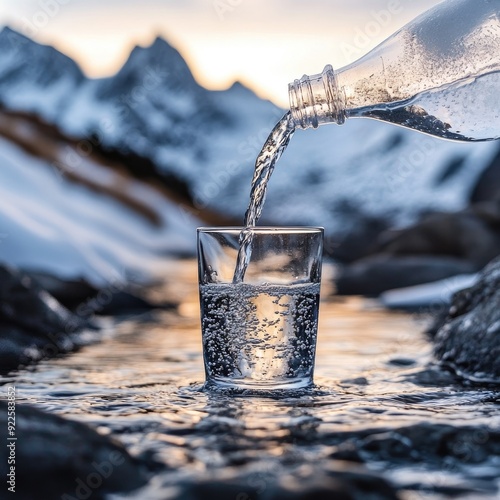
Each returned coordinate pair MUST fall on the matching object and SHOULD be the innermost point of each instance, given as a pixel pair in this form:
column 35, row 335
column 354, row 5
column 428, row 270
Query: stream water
column 374, row 376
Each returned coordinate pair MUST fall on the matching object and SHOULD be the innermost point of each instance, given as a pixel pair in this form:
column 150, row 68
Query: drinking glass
column 260, row 332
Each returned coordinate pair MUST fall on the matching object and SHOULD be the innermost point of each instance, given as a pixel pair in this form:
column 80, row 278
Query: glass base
column 257, row 385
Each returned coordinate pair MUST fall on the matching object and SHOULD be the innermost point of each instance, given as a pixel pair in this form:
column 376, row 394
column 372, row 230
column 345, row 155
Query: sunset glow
column 262, row 44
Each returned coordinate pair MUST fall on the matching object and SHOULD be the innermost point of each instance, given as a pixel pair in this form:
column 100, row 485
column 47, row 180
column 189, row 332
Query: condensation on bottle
column 439, row 74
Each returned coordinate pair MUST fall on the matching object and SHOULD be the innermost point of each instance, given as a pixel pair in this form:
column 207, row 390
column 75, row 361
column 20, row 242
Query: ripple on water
column 371, row 412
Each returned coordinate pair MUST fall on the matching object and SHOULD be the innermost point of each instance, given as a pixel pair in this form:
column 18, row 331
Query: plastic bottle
column 440, row 74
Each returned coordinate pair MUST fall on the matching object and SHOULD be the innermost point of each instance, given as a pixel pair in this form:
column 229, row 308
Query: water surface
column 374, row 375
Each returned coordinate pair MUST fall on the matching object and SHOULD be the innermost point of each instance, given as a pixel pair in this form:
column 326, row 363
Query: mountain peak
column 30, row 70
column 12, row 39
column 32, row 56
column 160, row 43
column 159, row 61
column 159, row 52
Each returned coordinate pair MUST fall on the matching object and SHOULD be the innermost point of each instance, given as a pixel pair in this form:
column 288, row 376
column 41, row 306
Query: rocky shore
column 33, row 324
column 468, row 337
column 58, row 458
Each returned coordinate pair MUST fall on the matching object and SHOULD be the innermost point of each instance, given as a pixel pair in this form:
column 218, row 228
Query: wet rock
column 347, row 452
column 33, row 325
column 25, row 304
column 59, row 458
column 447, row 448
column 355, row 381
column 86, row 300
column 70, row 293
column 441, row 245
column 401, row 362
column 468, row 337
column 361, row 483
column 342, row 483
column 433, row 376
column 454, row 450
column 432, row 444
column 222, row 490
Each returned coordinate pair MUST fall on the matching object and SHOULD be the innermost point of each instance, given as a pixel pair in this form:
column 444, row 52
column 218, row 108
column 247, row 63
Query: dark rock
column 472, row 234
column 360, row 240
column 454, row 167
column 438, row 247
column 55, row 457
column 86, row 300
column 69, row 293
column 426, row 446
column 25, row 304
column 488, row 185
column 222, row 490
column 433, row 376
column 432, row 444
column 355, row 381
column 347, row 452
column 402, row 362
column 33, row 325
column 452, row 450
column 342, row 483
column 362, row 484
column 123, row 302
column 373, row 275
column 346, row 484
column 469, row 337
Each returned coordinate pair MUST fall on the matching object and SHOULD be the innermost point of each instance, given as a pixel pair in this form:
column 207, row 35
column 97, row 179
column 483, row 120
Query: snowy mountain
column 74, row 227
column 154, row 108
column 35, row 77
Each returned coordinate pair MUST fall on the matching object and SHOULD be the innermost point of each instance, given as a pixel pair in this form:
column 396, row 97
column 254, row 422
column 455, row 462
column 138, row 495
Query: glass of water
column 260, row 332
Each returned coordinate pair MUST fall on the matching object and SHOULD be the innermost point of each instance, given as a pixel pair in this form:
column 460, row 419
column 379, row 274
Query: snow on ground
column 437, row 293
column 50, row 224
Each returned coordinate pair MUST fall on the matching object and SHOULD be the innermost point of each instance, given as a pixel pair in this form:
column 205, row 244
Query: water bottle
column 439, row 74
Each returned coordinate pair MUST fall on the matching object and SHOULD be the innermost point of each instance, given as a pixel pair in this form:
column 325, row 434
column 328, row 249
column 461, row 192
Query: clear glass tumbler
column 260, row 333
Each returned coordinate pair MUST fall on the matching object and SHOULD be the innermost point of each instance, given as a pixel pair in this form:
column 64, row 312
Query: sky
column 263, row 44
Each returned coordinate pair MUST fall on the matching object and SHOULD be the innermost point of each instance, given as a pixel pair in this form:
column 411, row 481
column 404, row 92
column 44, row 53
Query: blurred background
column 127, row 124
column 222, row 41
column 124, row 125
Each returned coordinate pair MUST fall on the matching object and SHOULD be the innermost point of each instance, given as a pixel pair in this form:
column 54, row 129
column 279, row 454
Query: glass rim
column 263, row 229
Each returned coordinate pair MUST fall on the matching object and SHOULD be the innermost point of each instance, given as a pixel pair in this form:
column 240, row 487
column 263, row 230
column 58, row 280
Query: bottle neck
column 315, row 100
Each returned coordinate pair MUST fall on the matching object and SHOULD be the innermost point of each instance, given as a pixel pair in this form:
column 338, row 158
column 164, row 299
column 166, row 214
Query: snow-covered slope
column 154, row 108
column 35, row 77
column 51, row 224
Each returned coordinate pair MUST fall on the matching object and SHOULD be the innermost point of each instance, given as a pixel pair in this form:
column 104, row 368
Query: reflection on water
column 143, row 383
